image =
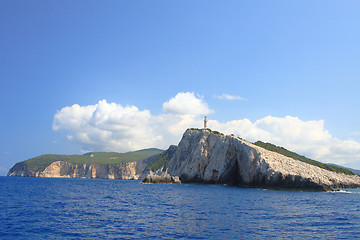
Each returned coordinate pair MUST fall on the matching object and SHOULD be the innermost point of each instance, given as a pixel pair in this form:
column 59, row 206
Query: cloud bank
column 113, row 127
column 309, row 138
column 187, row 104
column 107, row 126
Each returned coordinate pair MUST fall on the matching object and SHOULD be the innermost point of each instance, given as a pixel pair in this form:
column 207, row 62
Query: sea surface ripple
column 45, row 208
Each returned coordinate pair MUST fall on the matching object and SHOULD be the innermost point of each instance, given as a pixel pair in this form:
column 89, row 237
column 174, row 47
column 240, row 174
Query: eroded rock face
column 211, row 158
column 163, row 178
column 20, row 170
column 62, row 169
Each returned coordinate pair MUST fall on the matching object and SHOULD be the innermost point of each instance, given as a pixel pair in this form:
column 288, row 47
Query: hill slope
column 356, row 171
column 287, row 153
column 161, row 160
column 40, row 163
column 204, row 156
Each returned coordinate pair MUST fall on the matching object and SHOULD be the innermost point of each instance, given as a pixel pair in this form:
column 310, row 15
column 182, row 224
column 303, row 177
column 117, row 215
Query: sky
column 78, row 76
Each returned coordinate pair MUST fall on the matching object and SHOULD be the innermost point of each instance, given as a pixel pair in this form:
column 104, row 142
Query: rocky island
column 210, row 157
column 202, row 156
column 106, row 165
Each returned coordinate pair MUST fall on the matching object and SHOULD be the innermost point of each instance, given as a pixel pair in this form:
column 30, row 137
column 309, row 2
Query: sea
column 49, row 208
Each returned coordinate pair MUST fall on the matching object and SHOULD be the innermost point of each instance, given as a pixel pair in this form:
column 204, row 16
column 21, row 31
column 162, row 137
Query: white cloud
column 226, row 96
column 113, row 127
column 187, row 104
column 107, row 126
column 309, row 138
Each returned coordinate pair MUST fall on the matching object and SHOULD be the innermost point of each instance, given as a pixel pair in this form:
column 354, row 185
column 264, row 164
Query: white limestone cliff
column 203, row 156
column 61, row 169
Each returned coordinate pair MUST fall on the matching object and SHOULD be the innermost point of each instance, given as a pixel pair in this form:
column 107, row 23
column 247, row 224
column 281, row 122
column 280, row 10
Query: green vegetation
column 41, row 162
column 296, row 156
column 162, row 159
column 207, row 129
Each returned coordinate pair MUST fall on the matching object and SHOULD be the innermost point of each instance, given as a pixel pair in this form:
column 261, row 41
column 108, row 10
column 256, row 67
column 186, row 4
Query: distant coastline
column 204, row 156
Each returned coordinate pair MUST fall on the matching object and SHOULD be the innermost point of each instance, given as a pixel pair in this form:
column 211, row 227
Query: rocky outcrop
column 61, row 169
column 161, row 178
column 131, row 170
column 157, row 164
column 203, row 156
column 21, row 170
column 127, row 165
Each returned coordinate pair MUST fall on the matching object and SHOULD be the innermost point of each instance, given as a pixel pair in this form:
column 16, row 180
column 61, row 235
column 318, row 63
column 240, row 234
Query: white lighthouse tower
column 205, row 122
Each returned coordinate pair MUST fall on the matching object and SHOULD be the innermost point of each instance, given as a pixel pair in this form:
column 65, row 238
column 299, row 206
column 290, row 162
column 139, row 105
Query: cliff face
column 20, row 170
column 206, row 157
column 61, row 169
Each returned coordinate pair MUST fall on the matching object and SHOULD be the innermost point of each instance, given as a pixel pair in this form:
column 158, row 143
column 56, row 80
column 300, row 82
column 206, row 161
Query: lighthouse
column 205, row 122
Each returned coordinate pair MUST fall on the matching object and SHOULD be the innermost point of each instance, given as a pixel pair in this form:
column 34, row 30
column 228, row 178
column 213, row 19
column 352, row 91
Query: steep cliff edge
column 61, row 169
column 203, row 156
column 95, row 165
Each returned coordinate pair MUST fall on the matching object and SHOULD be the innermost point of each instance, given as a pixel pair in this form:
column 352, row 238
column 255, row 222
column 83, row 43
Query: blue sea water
column 45, row 208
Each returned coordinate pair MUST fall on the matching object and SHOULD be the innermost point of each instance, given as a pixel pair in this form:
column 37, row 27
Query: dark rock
column 152, row 178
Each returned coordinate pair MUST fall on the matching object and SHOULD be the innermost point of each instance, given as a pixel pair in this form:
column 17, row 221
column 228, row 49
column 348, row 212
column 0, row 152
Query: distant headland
column 202, row 156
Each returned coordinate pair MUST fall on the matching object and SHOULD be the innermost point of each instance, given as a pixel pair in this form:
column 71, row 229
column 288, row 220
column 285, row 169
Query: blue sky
column 293, row 66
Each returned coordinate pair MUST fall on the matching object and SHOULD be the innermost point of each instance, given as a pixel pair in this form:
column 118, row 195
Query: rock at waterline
column 204, row 156
column 166, row 178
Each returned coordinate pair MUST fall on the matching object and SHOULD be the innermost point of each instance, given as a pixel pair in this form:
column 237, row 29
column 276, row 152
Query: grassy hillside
column 356, row 171
column 296, row 156
column 207, row 129
column 162, row 159
column 41, row 162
